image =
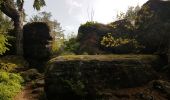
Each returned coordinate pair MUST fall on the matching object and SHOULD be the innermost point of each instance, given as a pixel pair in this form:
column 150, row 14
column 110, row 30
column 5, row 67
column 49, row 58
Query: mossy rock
column 87, row 76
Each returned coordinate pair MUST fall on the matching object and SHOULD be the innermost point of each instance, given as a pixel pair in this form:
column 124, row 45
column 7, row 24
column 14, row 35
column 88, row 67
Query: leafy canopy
column 37, row 3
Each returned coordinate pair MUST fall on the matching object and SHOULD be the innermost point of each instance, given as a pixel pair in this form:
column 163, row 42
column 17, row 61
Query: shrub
column 89, row 23
column 13, row 60
column 3, row 44
column 71, row 45
column 8, row 67
column 10, row 85
column 120, row 44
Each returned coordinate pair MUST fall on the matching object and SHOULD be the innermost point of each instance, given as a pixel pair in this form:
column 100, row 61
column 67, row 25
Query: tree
column 56, row 29
column 130, row 15
column 5, row 23
column 14, row 9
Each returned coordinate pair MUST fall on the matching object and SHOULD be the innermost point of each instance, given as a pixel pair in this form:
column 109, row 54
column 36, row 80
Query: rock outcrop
column 153, row 24
column 93, row 77
column 91, row 34
column 89, row 37
column 37, row 43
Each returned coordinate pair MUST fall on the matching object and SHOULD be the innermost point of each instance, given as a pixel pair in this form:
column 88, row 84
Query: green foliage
column 7, row 67
column 54, row 25
column 18, row 61
column 56, row 30
column 55, row 46
column 110, row 41
column 71, row 45
column 3, row 44
column 121, row 44
column 10, row 85
column 89, row 23
column 5, row 25
column 38, row 4
column 131, row 14
column 65, row 47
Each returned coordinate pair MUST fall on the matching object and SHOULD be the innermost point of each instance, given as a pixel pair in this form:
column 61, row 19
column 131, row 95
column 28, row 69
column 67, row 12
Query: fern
column 3, row 43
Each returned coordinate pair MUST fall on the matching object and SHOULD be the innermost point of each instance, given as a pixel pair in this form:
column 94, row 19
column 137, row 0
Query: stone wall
column 92, row 77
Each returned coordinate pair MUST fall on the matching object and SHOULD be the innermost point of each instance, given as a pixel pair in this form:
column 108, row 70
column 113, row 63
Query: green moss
column 103, row 57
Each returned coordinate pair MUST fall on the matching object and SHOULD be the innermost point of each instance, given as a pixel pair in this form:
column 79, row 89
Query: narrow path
column 32, row 91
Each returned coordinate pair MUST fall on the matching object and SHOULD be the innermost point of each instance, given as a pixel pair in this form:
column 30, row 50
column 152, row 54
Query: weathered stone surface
column 153, row 24
column 91, row 76
column 162, row 86
column 90, row 36
column 36, row 42
column 30, row 74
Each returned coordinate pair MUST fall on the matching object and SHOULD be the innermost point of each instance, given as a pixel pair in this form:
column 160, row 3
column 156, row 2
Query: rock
column 30, row 74
column 77, row 78
column 153, row 24
column 38, row 91
column 90, row 36
column 36, row 44
column 39, row 83
column 162, row 86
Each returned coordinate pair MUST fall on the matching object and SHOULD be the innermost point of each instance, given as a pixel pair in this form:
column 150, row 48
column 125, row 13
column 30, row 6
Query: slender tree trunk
column 18, row 27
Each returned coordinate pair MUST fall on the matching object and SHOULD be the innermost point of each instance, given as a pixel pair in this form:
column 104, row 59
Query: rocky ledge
column 97, row 76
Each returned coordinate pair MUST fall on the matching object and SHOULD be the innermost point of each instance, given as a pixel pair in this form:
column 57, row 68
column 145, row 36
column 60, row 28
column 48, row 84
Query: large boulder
column 153, row 24
column 37, row 43
column 78, row 77
column 90, row 35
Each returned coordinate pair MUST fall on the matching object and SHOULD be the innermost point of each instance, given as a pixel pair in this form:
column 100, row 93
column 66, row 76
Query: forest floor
column 154, row 90
column 32, row 91
column 33, row 86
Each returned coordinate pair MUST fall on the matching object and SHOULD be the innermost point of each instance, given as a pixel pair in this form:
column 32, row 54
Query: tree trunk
column 9, row 8
column 18, row 27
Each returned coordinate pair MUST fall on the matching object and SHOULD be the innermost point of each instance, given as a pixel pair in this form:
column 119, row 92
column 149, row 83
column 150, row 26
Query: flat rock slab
column 89, row 76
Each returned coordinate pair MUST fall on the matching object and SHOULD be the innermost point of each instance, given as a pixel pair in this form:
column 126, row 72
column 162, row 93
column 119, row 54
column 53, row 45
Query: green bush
column 10, row 85
column 8, row 67
column 89, row 23
column 121, row 44
column 3, row 44
column 71, row 45
column 12, row 63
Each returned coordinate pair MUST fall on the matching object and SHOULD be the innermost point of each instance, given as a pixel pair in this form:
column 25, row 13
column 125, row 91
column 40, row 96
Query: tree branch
column 20, row 8
column 8, row 8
